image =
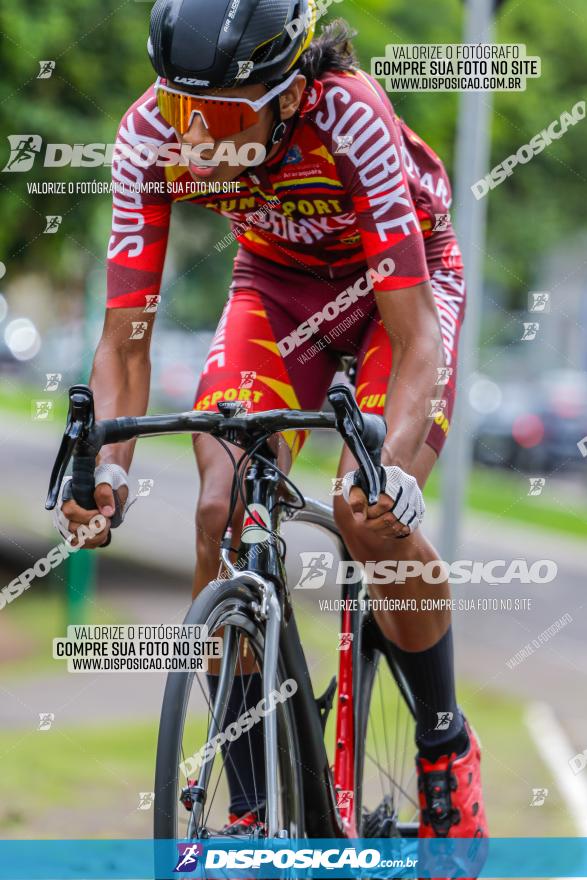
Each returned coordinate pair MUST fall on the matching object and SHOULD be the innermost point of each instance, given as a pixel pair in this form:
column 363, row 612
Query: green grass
column 511, row 764
column 34, row 621
column 491, row 491
column 17, row 400
column 87, row 780
column 511, row 768
column 76, row 781
column 505, row 496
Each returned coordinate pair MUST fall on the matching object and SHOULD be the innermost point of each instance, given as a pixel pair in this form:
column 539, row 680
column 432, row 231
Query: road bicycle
column 370, row 789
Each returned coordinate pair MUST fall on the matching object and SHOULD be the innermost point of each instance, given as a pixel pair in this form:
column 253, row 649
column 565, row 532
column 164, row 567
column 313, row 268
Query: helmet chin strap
column 277, row 131
column 279, row 126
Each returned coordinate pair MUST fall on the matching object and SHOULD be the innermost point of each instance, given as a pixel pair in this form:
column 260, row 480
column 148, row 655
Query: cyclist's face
column 226, row 152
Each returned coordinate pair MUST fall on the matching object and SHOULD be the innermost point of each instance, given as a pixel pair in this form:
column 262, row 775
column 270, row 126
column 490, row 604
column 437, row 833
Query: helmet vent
column 157, row 15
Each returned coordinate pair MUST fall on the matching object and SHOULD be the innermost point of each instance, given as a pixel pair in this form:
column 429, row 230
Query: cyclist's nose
column 198, row 135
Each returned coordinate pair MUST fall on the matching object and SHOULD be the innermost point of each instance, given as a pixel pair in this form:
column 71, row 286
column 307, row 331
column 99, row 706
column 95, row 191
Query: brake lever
column 349, row 421
column 76, row 439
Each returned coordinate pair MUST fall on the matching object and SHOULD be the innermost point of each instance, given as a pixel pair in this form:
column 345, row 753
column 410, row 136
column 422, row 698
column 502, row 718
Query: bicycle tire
column 220, row 605
column 374, row 657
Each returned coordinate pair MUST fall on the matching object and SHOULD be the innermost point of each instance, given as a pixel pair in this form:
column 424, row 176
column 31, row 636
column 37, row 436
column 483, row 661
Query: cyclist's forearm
column 411, row 321
column 411, row 390
column 120, row 382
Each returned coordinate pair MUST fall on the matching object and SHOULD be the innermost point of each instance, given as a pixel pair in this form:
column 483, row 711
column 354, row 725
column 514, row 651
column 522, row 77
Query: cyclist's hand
column 111, row 497
column 399, row 509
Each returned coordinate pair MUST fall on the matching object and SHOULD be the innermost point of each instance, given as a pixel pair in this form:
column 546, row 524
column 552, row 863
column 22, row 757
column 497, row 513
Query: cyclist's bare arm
column 120, row 381
column 411, row 321
column 121, row 374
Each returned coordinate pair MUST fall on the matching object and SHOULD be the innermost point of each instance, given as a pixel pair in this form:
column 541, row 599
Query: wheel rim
column 386, row 772
column 196, row 713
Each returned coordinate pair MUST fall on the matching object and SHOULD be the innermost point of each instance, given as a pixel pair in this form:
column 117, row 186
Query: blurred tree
column 102, row 66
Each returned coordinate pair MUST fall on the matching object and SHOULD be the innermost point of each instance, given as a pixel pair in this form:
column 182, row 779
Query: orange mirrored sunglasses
column 221, row 116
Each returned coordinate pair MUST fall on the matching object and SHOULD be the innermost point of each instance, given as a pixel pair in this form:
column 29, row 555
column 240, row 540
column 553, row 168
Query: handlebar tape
column 82, row 481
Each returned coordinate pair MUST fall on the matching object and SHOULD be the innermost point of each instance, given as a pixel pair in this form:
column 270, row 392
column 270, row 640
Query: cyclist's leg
column 448, row 755
column 423, row 639
column 267, row 304
column 245, row 364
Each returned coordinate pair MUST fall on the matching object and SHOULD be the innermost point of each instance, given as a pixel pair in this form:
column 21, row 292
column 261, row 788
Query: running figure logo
column 53, row 380
column 247, row 378
column 539, row 301
column 441, row 222
column 139, row 328
column 53, row 222
column 437, row 406
column 336, row 486
column 146, row 799
column 145, row 486
column 46, row 719
column 23, row 151
column 530, row 330
column 539, row 795
column 46, row 69
column 245, row 68
column 345, row 641
column 187, row 857
column 536, row 485
column 443, row 375
column 344, row 798
column 42, row 410
column 444, row 719
column 343, row 143
column 152, row 300
column 315, row 565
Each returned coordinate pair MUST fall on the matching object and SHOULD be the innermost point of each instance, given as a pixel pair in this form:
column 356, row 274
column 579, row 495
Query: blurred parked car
column 537, row 426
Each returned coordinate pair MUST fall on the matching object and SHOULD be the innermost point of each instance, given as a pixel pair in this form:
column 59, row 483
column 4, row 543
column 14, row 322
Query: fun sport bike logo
column 187, row 857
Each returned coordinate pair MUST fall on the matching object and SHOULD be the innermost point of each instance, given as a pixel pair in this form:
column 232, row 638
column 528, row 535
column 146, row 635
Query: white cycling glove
column 115, row 476
column 402, row 488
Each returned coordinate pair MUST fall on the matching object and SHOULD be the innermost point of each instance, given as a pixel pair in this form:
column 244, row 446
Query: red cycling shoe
column 450, row 794
column 249, row 823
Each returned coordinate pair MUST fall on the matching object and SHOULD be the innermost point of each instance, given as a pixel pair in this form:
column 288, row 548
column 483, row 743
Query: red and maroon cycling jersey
column 351, row 186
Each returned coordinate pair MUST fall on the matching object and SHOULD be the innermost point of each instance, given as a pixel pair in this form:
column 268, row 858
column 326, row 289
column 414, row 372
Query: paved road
column 159, row 533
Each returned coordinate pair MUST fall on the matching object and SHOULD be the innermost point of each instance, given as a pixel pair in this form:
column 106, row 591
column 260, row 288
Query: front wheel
column 190, row 719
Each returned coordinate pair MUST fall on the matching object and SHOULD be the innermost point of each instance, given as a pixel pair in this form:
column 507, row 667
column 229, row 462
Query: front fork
column 258, row 556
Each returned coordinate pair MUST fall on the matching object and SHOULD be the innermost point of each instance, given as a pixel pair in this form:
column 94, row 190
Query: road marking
column 556, row 750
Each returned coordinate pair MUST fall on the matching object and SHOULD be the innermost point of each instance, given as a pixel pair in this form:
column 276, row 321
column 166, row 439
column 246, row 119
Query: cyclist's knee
column 211, row 516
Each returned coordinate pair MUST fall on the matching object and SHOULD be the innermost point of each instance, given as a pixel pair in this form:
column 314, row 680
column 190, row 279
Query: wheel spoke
column 388, row 729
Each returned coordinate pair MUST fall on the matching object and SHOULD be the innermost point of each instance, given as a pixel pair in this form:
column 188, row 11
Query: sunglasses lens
column 221, row 118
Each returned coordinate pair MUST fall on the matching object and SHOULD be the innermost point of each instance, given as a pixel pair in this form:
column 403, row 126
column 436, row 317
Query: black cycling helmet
column 200, row 44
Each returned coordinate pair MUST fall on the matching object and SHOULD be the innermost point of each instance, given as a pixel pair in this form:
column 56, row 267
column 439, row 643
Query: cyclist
column 345, row 247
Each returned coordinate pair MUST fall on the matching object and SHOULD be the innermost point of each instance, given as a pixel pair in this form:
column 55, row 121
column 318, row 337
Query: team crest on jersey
column 293, row 156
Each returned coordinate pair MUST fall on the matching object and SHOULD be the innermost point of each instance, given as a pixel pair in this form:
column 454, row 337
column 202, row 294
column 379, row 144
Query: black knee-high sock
column 244, row 757
column 440, row 729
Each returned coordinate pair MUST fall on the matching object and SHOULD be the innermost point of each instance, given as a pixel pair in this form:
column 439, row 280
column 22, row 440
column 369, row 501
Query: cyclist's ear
column 290, row 100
